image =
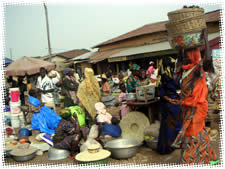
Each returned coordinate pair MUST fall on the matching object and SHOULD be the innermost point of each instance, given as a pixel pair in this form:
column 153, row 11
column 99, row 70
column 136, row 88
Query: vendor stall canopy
column 7, row 61
column 28, row 66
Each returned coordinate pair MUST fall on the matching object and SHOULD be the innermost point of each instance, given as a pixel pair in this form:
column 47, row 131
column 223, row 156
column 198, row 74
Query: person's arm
column 67, row 84
column 75, row 123
column 207, row 61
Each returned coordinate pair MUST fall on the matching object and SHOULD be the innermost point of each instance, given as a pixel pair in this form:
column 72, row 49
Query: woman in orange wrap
column 193, row 138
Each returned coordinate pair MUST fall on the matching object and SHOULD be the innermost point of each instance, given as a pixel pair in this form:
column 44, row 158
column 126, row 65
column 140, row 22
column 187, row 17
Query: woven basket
column 190, row 25
column 185, row 13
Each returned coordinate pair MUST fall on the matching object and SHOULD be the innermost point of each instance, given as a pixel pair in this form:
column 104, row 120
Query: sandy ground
column 144, row 155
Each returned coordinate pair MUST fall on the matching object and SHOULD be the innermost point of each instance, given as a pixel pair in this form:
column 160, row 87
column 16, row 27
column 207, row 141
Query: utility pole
column 48, row 36
column 10, row 50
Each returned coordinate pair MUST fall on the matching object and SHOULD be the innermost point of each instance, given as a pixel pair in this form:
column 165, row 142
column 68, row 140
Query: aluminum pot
column 24, row 158
column 57, row 154
column 123, row 148
column 152, row 144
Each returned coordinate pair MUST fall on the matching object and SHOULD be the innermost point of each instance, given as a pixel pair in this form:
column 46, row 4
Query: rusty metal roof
column 213, row 16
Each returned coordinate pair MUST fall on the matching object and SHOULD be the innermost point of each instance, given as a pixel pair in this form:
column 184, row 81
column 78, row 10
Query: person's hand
column 176, row 101
column 75, row 116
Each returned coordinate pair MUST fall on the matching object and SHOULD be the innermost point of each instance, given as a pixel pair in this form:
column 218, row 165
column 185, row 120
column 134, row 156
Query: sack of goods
column 185, row 26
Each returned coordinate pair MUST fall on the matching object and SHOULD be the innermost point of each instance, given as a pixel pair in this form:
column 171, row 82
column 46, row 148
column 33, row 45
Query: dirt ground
column 144, row 155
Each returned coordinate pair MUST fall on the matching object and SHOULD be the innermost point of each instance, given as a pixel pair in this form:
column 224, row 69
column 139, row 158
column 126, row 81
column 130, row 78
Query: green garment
column 69, row 86
column 132, row 83
column 80, row 114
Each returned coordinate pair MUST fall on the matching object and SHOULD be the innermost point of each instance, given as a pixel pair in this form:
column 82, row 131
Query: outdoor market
column 149, row 96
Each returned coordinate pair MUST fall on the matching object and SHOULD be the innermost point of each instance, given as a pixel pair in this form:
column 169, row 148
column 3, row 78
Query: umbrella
column 28, row 66
column 7, row 61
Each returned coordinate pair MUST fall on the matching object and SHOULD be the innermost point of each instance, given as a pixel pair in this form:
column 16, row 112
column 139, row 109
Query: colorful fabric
column 132, row 83
column 197, row 149
column 106, row 88
column 124, row 108
column 135, row 67
column 64, row 135
column 150, row 70
column 170, row 120
column 186, row 40
column 89, row 92
column 217, row 89
column 69, row 88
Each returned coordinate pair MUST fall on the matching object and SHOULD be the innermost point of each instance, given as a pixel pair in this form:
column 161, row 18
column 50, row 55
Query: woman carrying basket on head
column 193, row 138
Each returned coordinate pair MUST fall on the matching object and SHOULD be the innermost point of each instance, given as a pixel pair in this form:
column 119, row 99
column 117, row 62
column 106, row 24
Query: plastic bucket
column 15, row 121
column 22, row 120
column 15, row 108
column 15, row 94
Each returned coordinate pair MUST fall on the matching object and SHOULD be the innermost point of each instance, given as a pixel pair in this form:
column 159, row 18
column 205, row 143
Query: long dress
column 193, row 138
column 69, row 87
column 170, row 124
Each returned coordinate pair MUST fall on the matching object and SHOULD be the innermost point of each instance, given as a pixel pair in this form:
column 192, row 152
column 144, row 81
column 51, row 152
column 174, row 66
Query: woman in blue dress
column 170, row 115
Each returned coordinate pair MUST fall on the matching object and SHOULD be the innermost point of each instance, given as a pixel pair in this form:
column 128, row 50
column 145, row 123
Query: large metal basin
column 57, row 154
column 23, row 158
column 123, row 148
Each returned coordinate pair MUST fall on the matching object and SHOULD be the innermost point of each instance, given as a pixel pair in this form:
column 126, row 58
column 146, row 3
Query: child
column 112, row 130
column 124, row 108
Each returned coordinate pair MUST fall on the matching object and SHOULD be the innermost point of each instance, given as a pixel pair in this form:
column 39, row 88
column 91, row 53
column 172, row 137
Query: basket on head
column 185, row 27
column 190, row 25
column 185, row 13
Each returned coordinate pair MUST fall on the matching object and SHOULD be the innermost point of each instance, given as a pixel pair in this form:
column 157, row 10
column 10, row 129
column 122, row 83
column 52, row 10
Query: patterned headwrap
column 135, row 67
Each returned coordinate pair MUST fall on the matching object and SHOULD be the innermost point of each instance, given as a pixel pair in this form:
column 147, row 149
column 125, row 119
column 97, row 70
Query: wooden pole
column 48, row 35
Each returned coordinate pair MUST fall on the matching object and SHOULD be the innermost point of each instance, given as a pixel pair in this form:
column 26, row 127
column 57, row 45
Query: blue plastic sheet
column 46, row 121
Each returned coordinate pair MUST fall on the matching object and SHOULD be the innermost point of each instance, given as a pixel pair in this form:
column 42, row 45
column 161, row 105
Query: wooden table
column 149, row 105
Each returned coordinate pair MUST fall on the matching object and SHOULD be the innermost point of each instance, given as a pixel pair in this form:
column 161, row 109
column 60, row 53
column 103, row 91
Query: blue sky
column 77, row 25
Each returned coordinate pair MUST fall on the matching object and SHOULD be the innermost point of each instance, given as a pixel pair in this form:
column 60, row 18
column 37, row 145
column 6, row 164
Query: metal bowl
column 152, row 144
column 23, row 158
column 57, row 154
column 123, row 148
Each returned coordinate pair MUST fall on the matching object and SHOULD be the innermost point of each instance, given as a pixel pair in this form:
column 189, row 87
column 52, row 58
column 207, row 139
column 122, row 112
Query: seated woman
column 108, row 125
column 65, row 134
column 113, row 129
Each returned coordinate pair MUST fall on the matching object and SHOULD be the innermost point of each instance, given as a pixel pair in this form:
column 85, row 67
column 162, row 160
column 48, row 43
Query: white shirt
column 45, row 84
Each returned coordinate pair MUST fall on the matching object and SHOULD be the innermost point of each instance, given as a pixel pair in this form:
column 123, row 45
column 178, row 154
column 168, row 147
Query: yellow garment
column 89, row 92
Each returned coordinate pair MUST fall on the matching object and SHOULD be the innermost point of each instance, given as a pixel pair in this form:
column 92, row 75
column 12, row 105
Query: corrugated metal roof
column 155, row 27
column 151, row 48
column 99, row 56
column 83, row 57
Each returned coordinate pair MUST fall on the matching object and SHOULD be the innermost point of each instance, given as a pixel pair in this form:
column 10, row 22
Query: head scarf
column 67, row 70
column 135, row 67
column 195, row 58
column 151, row 63
column 34, row 101
column 89, row 92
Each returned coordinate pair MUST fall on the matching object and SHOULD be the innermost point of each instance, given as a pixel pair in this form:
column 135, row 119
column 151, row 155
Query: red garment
column 196, row 97
column 195, row 57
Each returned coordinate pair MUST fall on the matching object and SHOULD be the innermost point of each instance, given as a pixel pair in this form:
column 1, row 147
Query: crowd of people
column 182, row 114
